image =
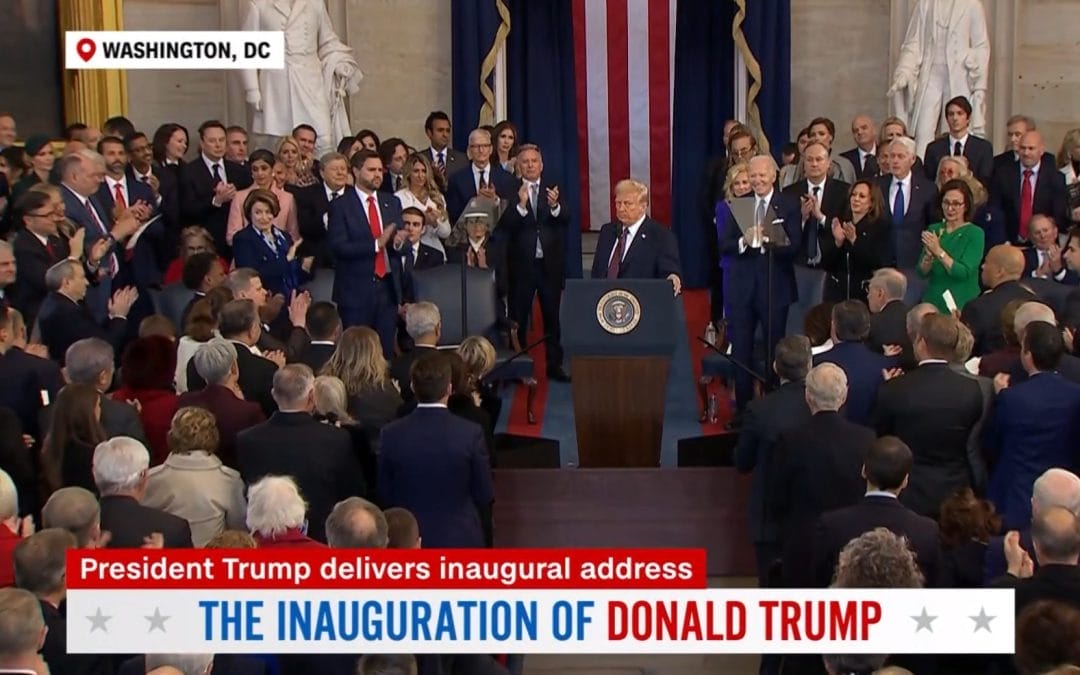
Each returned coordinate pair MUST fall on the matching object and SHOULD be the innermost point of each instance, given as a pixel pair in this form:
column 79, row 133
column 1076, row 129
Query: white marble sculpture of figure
column 320, row 72
column 946, row 53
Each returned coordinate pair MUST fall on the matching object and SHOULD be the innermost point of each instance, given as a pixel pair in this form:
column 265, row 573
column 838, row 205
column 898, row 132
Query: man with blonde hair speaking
column 634, row 246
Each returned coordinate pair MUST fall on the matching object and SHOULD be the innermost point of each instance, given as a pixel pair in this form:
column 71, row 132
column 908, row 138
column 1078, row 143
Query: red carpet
column 518, row 423
column 696, row 304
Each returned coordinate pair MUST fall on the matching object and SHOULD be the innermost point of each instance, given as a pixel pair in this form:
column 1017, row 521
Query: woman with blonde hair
column 359, row 363
column 288, row 153
column 193, row 484
column 736, row 184
column 332, row 407
column 479, row 356
column 422, row 190
column 1068, row 157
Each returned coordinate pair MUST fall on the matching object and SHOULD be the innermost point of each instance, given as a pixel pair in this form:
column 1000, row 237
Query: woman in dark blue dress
column 268, row 250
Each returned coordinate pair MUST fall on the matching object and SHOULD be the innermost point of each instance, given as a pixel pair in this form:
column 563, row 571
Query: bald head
column 1056, row 534
column 1031, row 148
column 1003, row 263
column 1056, row 487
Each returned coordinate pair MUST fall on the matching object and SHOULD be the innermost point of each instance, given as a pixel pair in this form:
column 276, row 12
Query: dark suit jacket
column 889, row 327
column 834, row 204
column 96, row 226
column 870, row 171
column 455, row 160
column 279, row 274
column 169, row 208
column 64, row 322
column 426, row 257
column 851, row 265
column 130, row 522
column 400, row 367
column 978, row 151
column 350, row 239
column 653, row 253
column 836, row 528
column 197, row 194
column 55, row 651
column 224, row 664
column 435, row 464
column 748, row 276
column 1031, row 264
column 256, row 378
column 461, row 187
column 312, row 206
column 282, row 446
column 231, row 415
column 315, row 356
column 819, row 468
column 25, row 376
column 143, row 267
column 907, row 239
column 983, row 315
column 523, row 231
column 1050, row 582
column 933, row 409
column 1036, row 425
column 1048, row 199
column 1068, row 367
column 33, row 259
column 765, row 419
column 863, row 368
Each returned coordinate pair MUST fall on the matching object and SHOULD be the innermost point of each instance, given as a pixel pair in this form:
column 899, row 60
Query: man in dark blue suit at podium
column 635, row 246
column 748, row 276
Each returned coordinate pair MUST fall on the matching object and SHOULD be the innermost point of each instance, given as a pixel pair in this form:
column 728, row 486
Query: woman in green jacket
column 952, row 250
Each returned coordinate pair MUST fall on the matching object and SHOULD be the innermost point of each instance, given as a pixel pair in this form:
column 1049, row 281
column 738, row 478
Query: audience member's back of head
column 851, row 321
column 74, row 509
column 965, row 517
column 1056, row 487
column 356, row 523
column 323, row 322
column 888, row 463
column 940, row 333
column 232, row 539
column 1047, row 636
column 1043, row 345
column 86, row 359
column 792, row 359
column 1055, row 531
column 120, row 465
column 386, row 664
column 402, row 529
column 877, row 559
column 188, row 664
column 817, row 324
column 430, row 376
column 21, row 623
column 40, row 561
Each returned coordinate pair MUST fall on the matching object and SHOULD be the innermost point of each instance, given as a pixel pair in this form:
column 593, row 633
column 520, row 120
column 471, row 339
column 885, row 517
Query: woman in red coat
column 147, row 370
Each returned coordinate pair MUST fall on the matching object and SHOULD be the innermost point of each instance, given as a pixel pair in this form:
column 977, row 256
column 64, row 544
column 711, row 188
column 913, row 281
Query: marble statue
column 946, row 53
column 320, row 72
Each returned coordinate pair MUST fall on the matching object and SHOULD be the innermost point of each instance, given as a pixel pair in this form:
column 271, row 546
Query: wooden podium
column 619, row 335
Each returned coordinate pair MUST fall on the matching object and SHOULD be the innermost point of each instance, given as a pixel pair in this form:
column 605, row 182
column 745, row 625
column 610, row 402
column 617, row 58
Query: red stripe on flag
column 618, row 95
column 659, row 111
column 581, row 87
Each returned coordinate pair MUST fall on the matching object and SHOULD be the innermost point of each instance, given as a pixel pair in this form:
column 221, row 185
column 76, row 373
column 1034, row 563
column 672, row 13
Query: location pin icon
column 86, row 48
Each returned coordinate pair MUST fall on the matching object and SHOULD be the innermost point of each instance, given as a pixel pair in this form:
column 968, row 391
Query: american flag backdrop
column 624, row 55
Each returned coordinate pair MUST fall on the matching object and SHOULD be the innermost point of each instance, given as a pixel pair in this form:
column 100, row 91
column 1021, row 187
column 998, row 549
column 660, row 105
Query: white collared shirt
column 435, row 155
column 329, row 198
column 631, row 232
column 1034, row 176
column 431, row 405
column 210, row 166
column 363, row 196
column 767, row 199
column 863, row 154
column 476, row 174
column 963, row 140
column 810, row 185
column 906, row 182
column 112, row 183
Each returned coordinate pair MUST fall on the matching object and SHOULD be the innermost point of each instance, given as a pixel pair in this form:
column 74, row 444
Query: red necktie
column 617, row 254
column 376, row 232
column 1027, row 203
column 118, row 196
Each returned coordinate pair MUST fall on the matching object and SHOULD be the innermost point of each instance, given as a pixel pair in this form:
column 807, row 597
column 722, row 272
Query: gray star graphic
column 982, row 620
column 98, row 621
column 924, row 620
column 157, row 621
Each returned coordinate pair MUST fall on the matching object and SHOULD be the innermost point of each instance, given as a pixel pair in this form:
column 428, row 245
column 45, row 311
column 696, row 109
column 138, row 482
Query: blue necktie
column 898, row 205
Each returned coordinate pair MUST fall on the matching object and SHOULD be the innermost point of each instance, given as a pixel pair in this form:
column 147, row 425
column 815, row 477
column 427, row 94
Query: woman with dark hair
column 858, row 246
column 368, row 139
column 952, row 251
column 817, row 327
column 349, row 146
column 147, row 370
column 261, row 163
column 75, row 430
column 169, row 146
column 423, row 190
column 267, row 249
column 39, row 151
column 505, row 137
column 201, row 327
column 967, row 524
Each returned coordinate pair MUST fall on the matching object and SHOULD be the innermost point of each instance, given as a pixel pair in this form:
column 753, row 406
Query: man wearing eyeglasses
column 482, row 178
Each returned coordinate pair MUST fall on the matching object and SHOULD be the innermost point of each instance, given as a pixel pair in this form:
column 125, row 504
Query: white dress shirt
column 906, row 182
column 953, row 141
column 363, row 196
column 476, row 171
column 756, row 243
column 631, row 232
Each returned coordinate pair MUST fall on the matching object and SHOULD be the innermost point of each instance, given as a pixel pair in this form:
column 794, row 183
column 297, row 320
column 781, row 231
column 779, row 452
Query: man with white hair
column 423, row 323
column 888, row 313
column 819, row 465
column 753, row 260
column 282, row 446
column 910, row 198
column 1054, row 488
column 276, row 513
column 120, row 467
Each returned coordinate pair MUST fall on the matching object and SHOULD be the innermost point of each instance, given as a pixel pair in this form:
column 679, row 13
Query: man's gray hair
column 237, row 317
column 905, row 142
column 332, row 156
column 120, row 464
column 239, row 280
column 188, row 664
column 274, row 506
column 479, row 130
column 292, row 385
column 74, row 509
column 891, row 281
column 793, row 357
column 62, row 271
column 1030, row 312
column 357, row 523
column 421, row 318
column 826, row 387
column 764, row 158
column 915, row 316
column 86, row 359
column 1028, row 121
column 72, row 162
column 9, row 497
column 1057, row 487
column 214, row 360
